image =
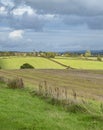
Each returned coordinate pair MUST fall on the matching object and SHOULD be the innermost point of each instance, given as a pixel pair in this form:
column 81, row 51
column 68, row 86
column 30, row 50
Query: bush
column 16, row 83
column 0, row 67
column 26, row 66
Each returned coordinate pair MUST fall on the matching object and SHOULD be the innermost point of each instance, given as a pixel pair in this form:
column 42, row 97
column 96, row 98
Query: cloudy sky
column 51, row 25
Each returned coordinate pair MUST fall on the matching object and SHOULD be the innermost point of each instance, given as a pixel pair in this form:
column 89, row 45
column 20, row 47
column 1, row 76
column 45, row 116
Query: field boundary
column 67, row 67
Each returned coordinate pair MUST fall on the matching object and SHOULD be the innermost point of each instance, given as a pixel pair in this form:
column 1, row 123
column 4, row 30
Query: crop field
column 78, row 63
column 37, row 62
column 87, row 84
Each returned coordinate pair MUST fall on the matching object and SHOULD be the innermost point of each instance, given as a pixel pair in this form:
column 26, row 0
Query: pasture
column 44, row 63
column 79, row 63
column 37, row 62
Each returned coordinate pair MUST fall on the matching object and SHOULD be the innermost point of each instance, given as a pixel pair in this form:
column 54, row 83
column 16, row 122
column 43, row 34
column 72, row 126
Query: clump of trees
column 50, row 54
column 88, row 53
column 26, row 66
column 47, row 54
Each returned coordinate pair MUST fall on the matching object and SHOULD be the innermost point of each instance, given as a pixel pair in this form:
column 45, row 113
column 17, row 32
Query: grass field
column 20, row 111
column 37, row 62
column 80, row 63
column 43, row 63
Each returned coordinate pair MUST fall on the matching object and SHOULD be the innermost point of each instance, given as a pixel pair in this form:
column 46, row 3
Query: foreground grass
column 19, row 111
column 80, row 63
column 37, row 62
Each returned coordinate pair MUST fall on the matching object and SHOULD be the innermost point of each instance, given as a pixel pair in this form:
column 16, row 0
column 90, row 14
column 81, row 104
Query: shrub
column 0, row 67
column 16, row 83
column 26, row 66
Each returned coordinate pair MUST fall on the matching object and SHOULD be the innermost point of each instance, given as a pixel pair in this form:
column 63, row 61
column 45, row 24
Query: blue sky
column 51, row 25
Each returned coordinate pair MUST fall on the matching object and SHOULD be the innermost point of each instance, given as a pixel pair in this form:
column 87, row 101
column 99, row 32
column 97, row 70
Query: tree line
column 85, row 54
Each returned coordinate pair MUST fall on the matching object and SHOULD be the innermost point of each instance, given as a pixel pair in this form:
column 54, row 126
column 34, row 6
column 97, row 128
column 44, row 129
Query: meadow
column 37, row 62
column 80, row 63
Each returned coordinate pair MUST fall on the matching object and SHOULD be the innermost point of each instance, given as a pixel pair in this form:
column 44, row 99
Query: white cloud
column 17, row 34
column 23, row 10
column 49, row 16
column 3, row 10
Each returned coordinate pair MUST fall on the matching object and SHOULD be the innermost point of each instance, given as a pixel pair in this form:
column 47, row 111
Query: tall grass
column 56, row 96
column 60, row 96
column 15, row 83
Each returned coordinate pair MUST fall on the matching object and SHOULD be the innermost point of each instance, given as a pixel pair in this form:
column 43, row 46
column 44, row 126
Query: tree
column 26, row 66
column 50, row 54
column 88, row 53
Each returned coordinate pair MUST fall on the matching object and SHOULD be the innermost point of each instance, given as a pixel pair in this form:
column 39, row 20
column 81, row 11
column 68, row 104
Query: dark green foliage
column 16, row 83
column 26, row 66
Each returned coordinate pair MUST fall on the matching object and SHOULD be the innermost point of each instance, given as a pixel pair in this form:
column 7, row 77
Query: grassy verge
column 20, row 111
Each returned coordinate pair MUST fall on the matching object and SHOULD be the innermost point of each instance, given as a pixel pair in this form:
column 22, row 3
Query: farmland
column 44, row 63
column 21, row 110
column 79, row 63
column 37, row 62
column 87, row 84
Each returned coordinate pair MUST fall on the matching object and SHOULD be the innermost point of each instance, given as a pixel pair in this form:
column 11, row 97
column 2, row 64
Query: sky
column 51, row 25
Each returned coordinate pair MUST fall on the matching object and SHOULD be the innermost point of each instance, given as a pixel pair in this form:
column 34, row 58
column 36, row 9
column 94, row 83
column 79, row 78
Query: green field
column 79, row 63
column 37, row 62
column 20, row 111
column 43, row 63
